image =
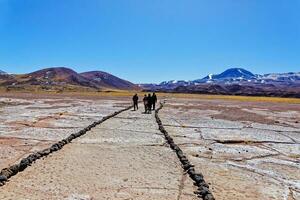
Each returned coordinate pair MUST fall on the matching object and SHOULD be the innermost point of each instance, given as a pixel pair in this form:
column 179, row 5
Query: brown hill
column 58, row 76
column 62, row 77
column 103, row 79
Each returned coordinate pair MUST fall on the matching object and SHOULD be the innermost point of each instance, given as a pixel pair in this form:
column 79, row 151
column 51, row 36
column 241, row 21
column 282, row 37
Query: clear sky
column 150, row 40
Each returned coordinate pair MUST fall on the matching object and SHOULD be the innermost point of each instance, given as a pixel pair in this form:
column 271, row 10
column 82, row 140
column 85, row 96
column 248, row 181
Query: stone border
column 203, row 188
column 6, row 173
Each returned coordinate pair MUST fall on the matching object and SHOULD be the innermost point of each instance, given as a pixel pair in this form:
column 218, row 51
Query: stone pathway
column 123, row 158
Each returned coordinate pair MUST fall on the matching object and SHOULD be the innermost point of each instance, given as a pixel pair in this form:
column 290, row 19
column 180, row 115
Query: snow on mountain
column 2, row 72
column 282, row 77
column 239, row 75
column 232, row 73
column 232, row 76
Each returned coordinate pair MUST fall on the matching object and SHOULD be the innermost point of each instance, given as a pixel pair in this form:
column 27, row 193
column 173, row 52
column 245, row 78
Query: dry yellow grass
column 237, row 98
column 203, row 96
column 123, row 93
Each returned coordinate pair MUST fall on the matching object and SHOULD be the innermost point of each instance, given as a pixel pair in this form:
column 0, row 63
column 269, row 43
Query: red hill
column 103, row 79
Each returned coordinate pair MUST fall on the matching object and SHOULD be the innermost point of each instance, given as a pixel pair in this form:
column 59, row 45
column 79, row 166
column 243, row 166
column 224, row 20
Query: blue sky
column 150, row 40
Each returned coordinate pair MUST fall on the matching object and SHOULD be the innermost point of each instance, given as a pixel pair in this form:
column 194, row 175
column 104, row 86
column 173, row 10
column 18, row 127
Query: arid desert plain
column 246, row 147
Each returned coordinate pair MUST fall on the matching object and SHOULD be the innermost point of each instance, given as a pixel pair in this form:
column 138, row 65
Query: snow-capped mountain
column 2, row 72
column 175, row 83
column 235, row 81
column 239, row 75
column 236, row 76
column 4, row 75
column 231, row 74
column 291, row 77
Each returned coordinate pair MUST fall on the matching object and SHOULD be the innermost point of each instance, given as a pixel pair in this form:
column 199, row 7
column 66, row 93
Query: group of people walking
column 148, row 100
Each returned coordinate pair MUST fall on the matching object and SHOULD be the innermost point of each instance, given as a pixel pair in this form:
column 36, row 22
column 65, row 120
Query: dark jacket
column 149, row 100
column 135, row 98
column 154, row 98
column 145, row 100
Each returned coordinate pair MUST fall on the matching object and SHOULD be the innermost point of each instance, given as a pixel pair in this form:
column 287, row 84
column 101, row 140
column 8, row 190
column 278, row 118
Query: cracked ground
column 123, row 158
column 29, row 124
column 245, row 150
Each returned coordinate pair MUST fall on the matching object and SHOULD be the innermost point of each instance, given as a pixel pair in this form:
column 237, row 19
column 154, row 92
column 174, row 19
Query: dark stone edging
column 6, row 173
column 203, row 188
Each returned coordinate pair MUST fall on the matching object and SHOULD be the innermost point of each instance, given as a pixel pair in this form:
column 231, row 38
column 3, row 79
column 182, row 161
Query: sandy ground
column 245, row 150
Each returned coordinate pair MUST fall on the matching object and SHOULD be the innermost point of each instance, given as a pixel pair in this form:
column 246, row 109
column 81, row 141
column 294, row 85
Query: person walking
column 154, row 100
column 135, row 100
column 145, row 100
column 149, row 106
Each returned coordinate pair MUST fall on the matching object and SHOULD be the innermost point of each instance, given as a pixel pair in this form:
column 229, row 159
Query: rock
column 54, row 147
column 31, row 158
column 173, row 146
column 23, row 164
column 171, row 140
column 70, row 138
column 184, row 161
column 38, row 155
column 45, row 152
column 209, row 197
column 105, row 118
column 6, row 172
column 203, row 191
column 203, row 184
column 180, row 153
column 61, row 144
column 3, row 178
column 77, row 134
column 191, row 171
column 183, row 158
column 187, row 166
column 65, row 141
column 176, row 148
column 198, row 178
column 14, row 169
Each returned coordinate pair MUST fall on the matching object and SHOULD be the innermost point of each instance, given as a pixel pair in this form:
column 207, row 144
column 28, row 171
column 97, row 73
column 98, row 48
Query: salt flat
column 123, row 158
column 30, row 124
column 245, row 149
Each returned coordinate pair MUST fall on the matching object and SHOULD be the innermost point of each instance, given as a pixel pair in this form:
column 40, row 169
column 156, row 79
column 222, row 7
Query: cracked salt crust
column 263, row 165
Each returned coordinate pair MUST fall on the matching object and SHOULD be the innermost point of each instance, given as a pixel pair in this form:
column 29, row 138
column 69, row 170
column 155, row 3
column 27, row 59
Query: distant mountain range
column 62, row 77
column 235, row 81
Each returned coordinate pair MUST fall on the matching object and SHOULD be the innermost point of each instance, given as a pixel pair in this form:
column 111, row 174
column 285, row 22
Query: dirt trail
column 125, row 157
